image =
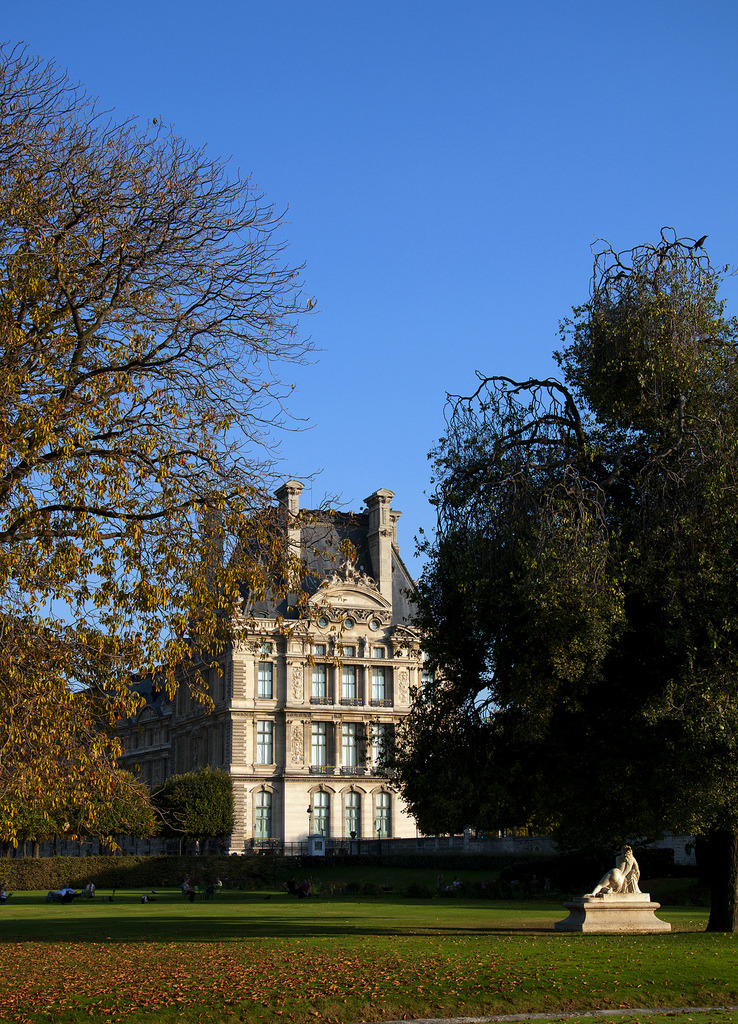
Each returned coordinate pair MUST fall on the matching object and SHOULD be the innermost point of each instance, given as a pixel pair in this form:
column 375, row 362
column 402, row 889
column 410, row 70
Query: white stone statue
column 622, row 878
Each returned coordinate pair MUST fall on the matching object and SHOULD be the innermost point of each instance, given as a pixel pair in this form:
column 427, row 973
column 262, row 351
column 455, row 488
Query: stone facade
column 309, row 693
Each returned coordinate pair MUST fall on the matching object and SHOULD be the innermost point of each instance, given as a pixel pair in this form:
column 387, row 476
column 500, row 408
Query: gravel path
column 518, row 1018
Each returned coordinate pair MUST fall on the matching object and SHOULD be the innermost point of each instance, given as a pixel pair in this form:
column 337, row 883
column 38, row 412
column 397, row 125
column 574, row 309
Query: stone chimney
column 288, row 497
column 381, row 534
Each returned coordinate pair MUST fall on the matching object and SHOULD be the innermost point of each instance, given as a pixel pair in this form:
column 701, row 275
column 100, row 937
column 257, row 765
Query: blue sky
column 446, row 167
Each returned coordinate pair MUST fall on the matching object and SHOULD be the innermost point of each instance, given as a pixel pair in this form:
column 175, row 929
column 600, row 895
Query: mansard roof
column 336, row 550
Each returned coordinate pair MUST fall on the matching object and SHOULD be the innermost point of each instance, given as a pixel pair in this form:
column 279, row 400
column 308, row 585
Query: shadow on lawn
column 168, row 920
column 169, row 929
column 249, row 916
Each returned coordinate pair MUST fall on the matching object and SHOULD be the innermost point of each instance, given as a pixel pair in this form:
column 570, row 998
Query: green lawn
column 262, row 956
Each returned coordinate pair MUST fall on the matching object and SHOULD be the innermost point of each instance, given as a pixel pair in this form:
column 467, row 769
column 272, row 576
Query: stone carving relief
column 403, row 694
column 296, row 743
column 298, row 690
column 348, row 573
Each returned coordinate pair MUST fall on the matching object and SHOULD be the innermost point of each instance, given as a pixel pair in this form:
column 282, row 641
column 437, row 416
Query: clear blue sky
column 446, row 168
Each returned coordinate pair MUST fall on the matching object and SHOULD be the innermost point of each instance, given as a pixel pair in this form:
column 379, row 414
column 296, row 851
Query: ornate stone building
column 309, row 695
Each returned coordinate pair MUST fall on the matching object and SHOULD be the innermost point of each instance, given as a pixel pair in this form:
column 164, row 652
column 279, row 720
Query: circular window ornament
column 322, row 622
column 374, row 625
column 348, row 623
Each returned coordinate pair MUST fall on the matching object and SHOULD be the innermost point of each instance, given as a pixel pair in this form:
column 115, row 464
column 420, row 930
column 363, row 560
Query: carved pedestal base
column 613, row 912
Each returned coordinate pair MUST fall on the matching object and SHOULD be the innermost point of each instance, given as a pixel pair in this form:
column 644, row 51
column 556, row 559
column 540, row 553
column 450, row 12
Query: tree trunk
column 723, row 873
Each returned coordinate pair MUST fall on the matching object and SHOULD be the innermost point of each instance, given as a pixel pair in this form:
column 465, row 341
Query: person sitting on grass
column 89, row 890
column 188, row 890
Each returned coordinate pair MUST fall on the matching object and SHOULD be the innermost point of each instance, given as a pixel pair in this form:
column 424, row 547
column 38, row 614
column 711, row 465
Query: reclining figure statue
column 622, row 878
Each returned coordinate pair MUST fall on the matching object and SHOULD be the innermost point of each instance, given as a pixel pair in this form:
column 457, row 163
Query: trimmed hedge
column 125, row 872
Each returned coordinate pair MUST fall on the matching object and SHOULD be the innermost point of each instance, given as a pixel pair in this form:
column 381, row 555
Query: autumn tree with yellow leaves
column 147, row 315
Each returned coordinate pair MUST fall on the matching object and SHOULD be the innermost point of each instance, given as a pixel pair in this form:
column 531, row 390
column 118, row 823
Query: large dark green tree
column 580, row 605
column 197, row 804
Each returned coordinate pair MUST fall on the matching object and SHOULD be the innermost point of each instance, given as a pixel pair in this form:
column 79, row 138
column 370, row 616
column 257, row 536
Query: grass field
column 264, row 956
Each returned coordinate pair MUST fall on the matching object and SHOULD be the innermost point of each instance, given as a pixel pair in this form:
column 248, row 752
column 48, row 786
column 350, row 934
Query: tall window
column 378, row 652
column 320, row 743
column 265, row 742
column 320, row 677
column 382, row 819
column 353, row 814
column 321, row 809
column 265, row 688
column 379, row 739
column 349, row 745
column 348, row 689
column 263, row 824
column 379, row 689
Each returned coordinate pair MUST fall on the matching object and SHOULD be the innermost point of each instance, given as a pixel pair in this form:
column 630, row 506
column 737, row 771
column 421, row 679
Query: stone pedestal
column 613, row 912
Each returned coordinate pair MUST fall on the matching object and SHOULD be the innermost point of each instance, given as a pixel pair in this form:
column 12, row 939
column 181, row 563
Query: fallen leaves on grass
column 325, row 981
column 56, row 982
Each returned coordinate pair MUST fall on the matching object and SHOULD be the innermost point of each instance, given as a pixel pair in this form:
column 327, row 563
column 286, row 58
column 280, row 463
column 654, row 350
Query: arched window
column 382, row 815
column 353, row 814
column 263, row 821
column 321, row 813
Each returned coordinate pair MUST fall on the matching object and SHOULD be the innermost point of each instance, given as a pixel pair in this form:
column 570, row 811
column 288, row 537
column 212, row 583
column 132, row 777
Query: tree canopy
column 197, row 804
column 580, row 605
column 147, row 316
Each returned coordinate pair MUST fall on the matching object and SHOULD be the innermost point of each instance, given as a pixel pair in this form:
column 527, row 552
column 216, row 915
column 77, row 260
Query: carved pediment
column 348, row 573
column 350, row 591
column 406, row 641
column 405, row 633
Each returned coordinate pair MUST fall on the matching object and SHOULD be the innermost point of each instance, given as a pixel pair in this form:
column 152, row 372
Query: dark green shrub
column 417, row 890
column 46, row 873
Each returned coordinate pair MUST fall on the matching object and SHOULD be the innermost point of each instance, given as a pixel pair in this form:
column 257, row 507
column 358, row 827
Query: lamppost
column 309, row 812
